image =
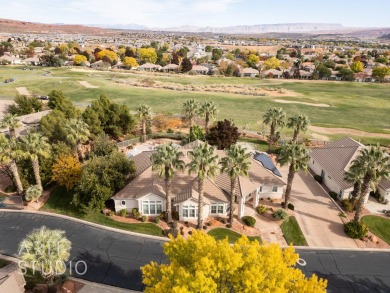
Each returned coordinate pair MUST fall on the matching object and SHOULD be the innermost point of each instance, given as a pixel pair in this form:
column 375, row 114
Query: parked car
column 9, row 80
column 43, row 98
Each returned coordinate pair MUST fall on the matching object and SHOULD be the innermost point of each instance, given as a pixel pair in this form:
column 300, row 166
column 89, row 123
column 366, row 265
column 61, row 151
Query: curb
column 86, row 223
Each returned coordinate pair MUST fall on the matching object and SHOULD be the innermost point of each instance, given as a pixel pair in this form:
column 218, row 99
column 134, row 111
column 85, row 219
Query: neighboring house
column 332, row 161
column 384, row 188
column 170, row 68
column 32, row 61
column 199, row 69
column 28, row 121
column 146, row 190
column 249, row 72
column 101, row 65
column 11, row 279
column 149, row 67
column 274, row 73
column 11, row 59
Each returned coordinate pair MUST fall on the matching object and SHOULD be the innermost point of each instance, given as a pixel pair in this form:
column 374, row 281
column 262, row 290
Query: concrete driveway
column 316, row 213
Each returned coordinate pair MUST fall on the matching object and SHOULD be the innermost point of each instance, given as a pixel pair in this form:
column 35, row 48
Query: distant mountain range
column 242, row 29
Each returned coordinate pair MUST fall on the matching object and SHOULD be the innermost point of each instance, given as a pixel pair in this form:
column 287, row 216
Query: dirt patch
column 4, row 106
column 87, row 84
column 23, row 91
column 302, row 103
column 319, row 136
column 347, row 131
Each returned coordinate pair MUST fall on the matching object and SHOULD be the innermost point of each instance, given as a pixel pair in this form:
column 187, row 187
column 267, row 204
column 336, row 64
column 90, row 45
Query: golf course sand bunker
column 87, row 84
column 23, row 91
column 302, row 103
column 347, row 131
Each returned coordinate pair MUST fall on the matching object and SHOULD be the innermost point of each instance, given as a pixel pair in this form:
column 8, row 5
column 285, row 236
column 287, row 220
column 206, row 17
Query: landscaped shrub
column 190, row 232
column 318, row 178
column 157, row 220
column 355, row 230
column 228, row 226
column 174, row 224
column 208, row 223
column 381, row 199
column 110, row 213
column 333, row 195
column 261, row 209
column 289, row 206
column 205, row 227
column 175, row 215
column 123, row 213
column 249, row 221
column 162, row 215
column 375, row 194
column 136, row 214
column 280, row 214
column 143, row 219
column 347, row 205
column 174, row 232
column 222, row 220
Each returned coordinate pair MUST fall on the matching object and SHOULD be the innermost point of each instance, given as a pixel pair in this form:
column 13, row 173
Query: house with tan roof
column 332, row 161
column 146, row 190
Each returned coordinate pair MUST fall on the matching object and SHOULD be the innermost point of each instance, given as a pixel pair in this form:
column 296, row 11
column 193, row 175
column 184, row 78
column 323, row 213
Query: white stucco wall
column 384, row 193
column 130, row 204
column 206, row 210
column 266, row 192
column 152, row 197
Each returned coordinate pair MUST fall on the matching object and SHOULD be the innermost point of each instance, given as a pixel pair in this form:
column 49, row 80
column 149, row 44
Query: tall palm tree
column 298, row 123
column 275, row 118
column 166, row 160
column 9, row 153
column 191, row 110
column 35, row 145
column 204, row 162
column 144, row 112
column 11, row 122
column 208, row 110
column 355, row 176
column 297, row 156
column 54, row 255
column 235, row 164
column 372, row 164
column 77, row 134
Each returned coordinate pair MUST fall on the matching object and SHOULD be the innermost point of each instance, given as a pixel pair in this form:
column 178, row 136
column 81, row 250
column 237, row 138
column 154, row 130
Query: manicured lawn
column 60, row 203
column 353, row 105
column 260, row 145
column 379, row 226
column 293, row 233
column 222, row 233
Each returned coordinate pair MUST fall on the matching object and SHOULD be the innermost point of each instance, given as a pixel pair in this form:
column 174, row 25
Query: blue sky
column 169, row 13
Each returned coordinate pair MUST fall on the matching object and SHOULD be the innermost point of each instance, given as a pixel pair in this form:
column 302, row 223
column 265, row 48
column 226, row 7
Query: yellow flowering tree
column 130, row 62
column 271, row 63
column 79, row 60
column 66, row 171
column 108, row 56
column 147, row 55
column 203, row 264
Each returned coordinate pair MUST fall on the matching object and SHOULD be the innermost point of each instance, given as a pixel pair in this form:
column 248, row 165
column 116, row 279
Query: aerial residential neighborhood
column 195, row 148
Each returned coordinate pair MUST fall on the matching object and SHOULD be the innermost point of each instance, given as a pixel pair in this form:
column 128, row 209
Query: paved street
column 114, row 258
column 316, row 214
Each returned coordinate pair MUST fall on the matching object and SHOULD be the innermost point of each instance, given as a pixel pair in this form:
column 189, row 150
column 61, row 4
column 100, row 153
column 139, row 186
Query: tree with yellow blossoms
column 203, row 264
column 79, row 60
column 66, row 171
column 271, row 63
column 130, row 62
column 357, row 66
column 147, row 55
column 108, row 56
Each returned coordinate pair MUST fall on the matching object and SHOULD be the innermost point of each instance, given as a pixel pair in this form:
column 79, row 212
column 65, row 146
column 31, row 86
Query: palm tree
column 204, row 162
column 235, row 164
column 354, row 176
column 9, row 153
column 297, row 156
column 35, row 145
column 274, row 117
column 298, row 123
column 50, row 260
column 372, row 165
column 166, row 160
column 11, row 122
column 77, row 134
column 191, row 110
column 208, row 110
column 144, row 112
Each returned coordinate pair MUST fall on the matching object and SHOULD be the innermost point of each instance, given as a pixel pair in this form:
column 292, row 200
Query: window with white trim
column 151, row 207
column 216, row 208
column 123, row 203
column 274, row 188
column 190, row 211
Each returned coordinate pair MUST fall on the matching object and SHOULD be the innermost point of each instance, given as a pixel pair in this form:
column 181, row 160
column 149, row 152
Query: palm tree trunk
column 271, row 137
column 80, row 152
column 143, row 129
column 35, row 165
column 189, row 139
column 206, row 124
column 363, row 193
column 200, row 202
column 290, row 178
column 168, row 212
column 232, row 195
column 295, row 136
column 16, row 177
